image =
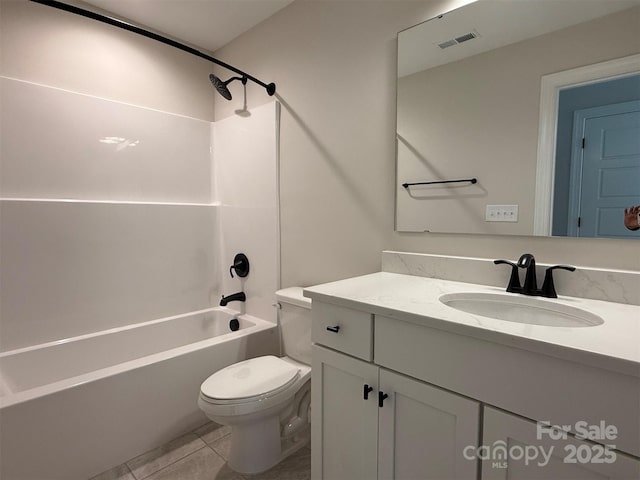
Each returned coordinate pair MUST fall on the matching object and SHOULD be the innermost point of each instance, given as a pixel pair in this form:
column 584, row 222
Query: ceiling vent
column 458, row 40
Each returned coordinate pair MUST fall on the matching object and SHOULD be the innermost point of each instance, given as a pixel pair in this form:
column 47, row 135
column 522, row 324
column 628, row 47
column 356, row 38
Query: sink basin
column 521, row 309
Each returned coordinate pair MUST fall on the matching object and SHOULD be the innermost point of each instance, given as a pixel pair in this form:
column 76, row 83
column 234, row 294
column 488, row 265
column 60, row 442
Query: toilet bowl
column 266, row 400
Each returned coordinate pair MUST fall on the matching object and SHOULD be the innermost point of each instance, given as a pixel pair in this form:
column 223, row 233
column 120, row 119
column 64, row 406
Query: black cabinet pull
column 334, row 329
column 366, row 391
column 381, row 397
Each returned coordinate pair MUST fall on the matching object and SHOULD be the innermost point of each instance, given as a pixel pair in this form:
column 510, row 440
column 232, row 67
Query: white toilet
column 266, row 400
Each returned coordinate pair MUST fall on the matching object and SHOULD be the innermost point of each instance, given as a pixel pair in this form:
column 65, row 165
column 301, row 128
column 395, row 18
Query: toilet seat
column 249, row 381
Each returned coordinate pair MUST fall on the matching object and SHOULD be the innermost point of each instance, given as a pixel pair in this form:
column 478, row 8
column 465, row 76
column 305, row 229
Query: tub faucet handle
column 240, row 265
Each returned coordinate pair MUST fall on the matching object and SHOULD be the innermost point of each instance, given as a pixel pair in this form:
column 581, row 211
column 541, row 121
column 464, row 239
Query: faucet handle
column 514, row 280
column 548, row 288
column 240, row 265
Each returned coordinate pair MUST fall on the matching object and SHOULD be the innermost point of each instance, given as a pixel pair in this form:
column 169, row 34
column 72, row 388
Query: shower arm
column 271, row 87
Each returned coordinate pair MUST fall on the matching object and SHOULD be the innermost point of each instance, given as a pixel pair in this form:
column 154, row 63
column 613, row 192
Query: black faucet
column 235, row 297
column 530, row 287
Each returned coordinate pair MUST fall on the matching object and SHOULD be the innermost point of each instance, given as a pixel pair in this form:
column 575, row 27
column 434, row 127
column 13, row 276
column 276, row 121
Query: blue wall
column 572, row 99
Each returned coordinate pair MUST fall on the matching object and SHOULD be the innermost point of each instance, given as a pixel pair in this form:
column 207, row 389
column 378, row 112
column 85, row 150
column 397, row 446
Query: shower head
column 221, row 86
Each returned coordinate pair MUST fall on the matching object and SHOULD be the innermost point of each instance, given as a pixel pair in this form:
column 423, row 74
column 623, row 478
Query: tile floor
column 202, row 455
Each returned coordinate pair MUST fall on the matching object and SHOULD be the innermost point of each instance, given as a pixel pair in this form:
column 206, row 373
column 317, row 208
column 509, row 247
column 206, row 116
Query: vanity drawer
column 344, row 329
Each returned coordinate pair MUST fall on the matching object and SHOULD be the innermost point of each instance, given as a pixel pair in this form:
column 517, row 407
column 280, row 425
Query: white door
column 605, row 170
column 344, row 433
column 424, row 431
column 537, row 456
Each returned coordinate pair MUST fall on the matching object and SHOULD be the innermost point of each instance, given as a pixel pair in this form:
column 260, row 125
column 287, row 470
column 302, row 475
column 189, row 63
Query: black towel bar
column 471, row 180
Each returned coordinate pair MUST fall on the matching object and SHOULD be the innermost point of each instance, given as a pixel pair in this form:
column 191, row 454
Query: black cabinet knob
column 381, row 397
column 334, row 329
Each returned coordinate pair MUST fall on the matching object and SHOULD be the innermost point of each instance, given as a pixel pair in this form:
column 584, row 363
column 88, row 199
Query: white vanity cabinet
column 423, row 431
column 445, row 396
column 546, row 455
column 344, row 426
column 369, row 422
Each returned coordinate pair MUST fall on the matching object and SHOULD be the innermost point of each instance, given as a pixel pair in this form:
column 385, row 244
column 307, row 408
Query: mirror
column 494, row 100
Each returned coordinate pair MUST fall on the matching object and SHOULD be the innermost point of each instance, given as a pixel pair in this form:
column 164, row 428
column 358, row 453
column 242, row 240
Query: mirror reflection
column 526, row 114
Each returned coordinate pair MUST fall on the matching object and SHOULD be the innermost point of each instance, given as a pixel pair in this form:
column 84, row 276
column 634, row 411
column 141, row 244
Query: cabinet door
column 344, row 426
column 424, row 430
column 532, row 455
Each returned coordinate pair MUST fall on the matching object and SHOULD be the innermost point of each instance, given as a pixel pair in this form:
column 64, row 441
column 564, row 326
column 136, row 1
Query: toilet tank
column 295, row 324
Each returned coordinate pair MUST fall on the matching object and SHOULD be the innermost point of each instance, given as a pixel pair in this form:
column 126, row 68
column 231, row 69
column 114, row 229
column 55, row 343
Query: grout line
column 172, row 463
column 130, row 471
column 217, row 452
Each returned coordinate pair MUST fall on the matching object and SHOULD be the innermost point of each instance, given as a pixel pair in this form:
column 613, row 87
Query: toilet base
column 259, row 445
column 256, row 449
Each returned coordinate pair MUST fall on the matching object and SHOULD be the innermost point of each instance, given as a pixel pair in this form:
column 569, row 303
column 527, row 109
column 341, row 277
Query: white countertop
column 614, row 345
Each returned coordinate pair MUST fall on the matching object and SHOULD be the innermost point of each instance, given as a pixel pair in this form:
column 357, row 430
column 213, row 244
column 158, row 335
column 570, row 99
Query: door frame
column 548, row 123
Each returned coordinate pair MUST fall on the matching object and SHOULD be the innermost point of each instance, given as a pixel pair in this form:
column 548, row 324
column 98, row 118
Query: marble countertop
column 613, row 345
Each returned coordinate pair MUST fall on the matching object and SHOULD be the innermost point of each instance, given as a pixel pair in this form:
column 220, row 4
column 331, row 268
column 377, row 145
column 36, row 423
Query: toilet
column 266, row 400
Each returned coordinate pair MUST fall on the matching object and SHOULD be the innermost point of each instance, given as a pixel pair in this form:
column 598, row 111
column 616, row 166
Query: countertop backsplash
column 621, row 286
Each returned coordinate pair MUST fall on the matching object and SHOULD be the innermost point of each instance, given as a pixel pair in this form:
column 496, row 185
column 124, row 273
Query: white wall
column 334, row 63
column 48, row 46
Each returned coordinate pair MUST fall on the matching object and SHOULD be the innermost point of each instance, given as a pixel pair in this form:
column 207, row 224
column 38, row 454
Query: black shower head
column 221, row 86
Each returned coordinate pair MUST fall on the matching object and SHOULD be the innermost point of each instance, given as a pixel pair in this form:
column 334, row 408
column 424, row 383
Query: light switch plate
column 501, row 213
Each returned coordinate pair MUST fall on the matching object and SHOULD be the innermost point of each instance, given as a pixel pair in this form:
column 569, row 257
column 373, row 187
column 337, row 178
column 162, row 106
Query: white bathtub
column 74, row 408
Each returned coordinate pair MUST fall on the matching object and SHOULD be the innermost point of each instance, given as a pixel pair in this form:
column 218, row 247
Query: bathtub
column 73, row 408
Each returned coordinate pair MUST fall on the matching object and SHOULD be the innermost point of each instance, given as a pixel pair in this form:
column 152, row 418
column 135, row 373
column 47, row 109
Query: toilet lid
column 250, row 378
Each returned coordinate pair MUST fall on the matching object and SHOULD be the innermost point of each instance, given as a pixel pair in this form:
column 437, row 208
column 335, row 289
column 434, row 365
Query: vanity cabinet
column 417, row 402
column 344, row 426
column 423, row 430
column 369, row 422
column 545, row 457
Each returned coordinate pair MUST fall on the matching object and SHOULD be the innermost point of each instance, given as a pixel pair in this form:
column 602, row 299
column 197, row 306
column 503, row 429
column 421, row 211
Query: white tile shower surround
column 86, row 147
column 122, row 232
column 202, row 455
column 245, row 177
column 74, row 268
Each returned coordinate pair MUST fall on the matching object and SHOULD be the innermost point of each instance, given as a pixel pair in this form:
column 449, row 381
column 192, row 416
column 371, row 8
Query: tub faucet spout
column 235, row 297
